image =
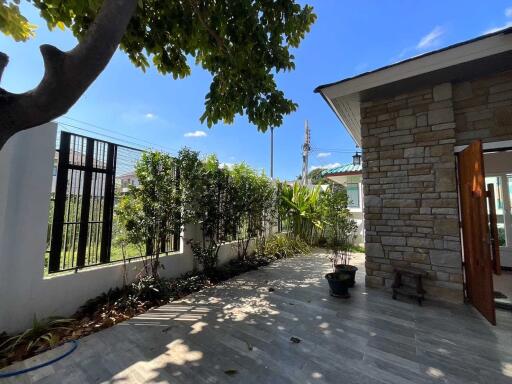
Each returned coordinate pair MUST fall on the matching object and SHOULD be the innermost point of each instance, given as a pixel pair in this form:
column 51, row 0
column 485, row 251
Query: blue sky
column 348, row 38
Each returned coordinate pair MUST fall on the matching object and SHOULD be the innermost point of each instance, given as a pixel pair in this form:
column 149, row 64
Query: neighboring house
column 351, row 177
column 124, row 181
column 414, row 121
column 75, row 182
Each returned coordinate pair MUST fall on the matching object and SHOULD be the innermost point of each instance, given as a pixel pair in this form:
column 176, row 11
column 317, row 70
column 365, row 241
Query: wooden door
column 475, row 230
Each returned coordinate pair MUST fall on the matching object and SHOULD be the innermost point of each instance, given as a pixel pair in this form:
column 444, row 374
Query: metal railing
column 89, row 179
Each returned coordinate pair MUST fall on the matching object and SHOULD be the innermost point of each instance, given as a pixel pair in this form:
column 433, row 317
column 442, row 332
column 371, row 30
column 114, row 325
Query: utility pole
column 272, row 152
column 306, row 147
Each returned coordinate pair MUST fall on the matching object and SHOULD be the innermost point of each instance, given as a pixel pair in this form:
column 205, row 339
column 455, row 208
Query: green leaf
column 243, row 44
column 13, row 23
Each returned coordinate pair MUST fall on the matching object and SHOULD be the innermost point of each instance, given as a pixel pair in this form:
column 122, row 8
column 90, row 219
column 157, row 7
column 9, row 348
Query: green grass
column 116, row 254
column 357, row 248
column 131, row 250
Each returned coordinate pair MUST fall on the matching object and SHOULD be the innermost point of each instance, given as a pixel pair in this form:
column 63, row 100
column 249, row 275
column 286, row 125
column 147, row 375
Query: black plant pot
column 349, row 270
column 339, row 282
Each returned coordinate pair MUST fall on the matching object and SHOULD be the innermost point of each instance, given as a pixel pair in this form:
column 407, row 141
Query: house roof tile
column 343, row 169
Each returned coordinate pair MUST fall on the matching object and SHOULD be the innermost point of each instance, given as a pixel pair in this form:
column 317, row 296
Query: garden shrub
column 150, row 213
column 284, row 246
column 318, row 217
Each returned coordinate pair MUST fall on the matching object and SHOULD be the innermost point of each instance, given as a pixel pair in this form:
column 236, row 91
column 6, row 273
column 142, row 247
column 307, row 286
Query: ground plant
column 44, row 334
column 283, row 245
column 318, row 216
column 301, row 206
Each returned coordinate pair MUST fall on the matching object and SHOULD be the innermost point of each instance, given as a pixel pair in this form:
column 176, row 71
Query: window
column 353, row 195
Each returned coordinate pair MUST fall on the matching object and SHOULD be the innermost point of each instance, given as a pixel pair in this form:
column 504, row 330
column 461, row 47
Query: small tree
column 204, row 186
column 340, row 228
column 251, row 199
column 151, row 212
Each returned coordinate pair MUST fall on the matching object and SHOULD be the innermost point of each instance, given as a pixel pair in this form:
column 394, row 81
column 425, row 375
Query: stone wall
column 411, row 212
column 409, row 172
column 483, row 109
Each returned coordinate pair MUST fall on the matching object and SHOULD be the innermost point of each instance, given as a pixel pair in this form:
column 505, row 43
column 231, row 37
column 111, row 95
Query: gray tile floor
column 242, row 328
column 503, row 283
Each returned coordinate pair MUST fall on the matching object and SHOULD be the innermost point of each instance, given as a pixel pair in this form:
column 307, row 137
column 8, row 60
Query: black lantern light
column 356, row 159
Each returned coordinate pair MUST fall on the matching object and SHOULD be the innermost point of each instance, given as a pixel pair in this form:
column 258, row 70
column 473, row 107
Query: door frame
column 498, row 146
column 494, row 146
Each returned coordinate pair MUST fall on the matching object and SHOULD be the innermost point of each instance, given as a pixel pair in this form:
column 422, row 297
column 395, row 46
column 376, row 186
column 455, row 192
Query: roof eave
column 352, row 130
column 352, row 173
column 344, row 96
column 504, row 31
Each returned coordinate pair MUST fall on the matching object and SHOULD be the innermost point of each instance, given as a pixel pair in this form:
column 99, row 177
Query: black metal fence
column 89, row 177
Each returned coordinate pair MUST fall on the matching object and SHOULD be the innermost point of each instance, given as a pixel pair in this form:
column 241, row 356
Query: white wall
column 26, row 163
column 357, row 212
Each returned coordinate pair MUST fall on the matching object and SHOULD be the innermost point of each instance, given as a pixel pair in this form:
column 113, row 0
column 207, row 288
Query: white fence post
column 26, row 163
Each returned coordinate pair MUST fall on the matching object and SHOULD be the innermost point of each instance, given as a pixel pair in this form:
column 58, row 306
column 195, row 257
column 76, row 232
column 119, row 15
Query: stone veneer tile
column 409, row 172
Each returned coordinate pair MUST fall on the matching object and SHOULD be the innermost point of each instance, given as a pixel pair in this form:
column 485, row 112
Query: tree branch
column 67, row 74
column 211, row 31
column 4, row 60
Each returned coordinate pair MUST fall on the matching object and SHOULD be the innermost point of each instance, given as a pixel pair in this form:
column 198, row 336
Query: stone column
column 411, row 211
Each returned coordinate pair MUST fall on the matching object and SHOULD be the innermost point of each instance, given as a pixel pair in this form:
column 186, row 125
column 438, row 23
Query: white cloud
column 431, row 39
column 496, row 29
column 323, row 154
column 139, row 115
column 325, row 166
column 195, row 134
column 508, row 13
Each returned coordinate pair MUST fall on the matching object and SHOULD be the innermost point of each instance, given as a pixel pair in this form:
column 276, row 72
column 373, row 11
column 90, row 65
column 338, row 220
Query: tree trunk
column 67, row 74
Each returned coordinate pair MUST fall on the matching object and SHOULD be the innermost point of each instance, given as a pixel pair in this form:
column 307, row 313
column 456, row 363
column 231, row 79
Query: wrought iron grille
column 90, row 177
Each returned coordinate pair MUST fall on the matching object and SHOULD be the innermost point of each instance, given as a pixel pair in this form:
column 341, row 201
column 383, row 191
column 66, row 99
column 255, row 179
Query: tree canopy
column 242, row 43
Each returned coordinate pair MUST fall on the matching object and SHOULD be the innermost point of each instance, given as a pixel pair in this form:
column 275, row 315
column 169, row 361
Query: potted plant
column 341, row 264
column 340, row 231
column 339, row 284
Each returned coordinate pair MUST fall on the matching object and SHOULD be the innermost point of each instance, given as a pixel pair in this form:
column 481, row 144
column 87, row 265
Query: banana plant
column 301, row 205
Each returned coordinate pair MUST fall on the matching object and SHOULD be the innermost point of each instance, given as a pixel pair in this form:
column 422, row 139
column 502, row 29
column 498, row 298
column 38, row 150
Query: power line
column 102, row 135
column 333, row 150
column 138, row 139
column 123, row 141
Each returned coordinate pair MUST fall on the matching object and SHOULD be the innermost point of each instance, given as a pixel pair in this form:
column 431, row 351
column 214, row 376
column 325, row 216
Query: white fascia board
column 354, row 131
column 424, row 64
column 347, row 92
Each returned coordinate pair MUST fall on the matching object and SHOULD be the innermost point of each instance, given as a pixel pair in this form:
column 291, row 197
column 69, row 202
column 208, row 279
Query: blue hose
column 21, row 371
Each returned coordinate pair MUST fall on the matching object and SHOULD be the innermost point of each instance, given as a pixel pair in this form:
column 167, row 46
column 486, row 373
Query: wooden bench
column 398, row 286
